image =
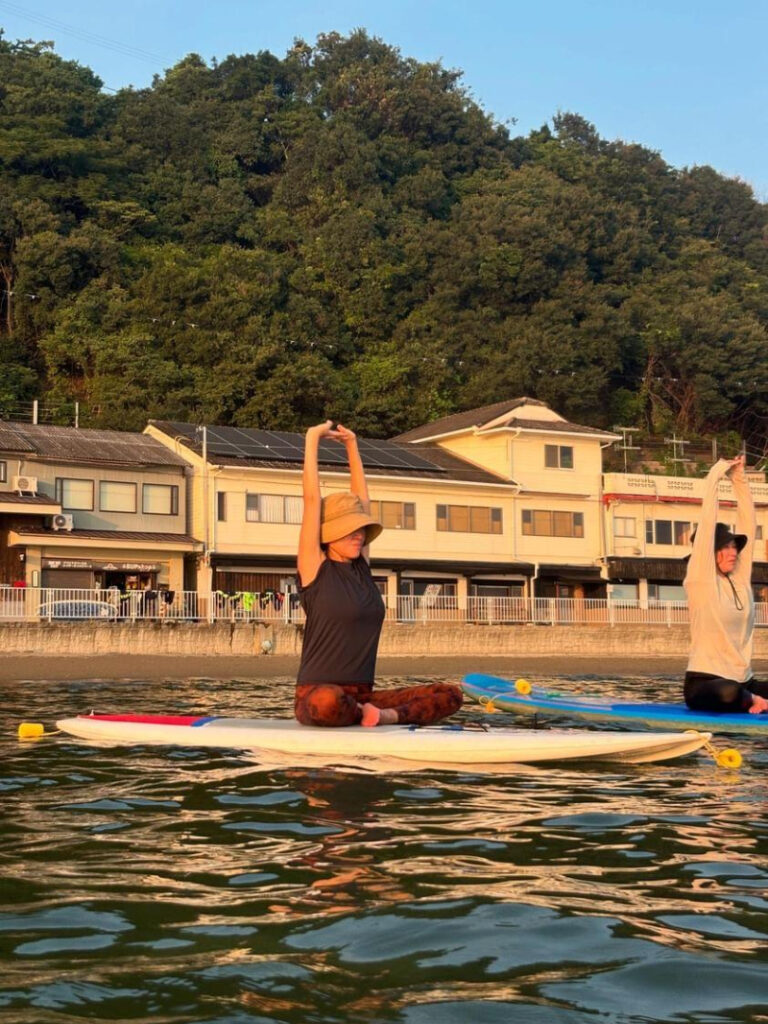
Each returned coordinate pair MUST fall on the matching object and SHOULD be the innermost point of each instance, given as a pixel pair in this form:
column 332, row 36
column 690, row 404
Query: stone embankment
column 398, row 639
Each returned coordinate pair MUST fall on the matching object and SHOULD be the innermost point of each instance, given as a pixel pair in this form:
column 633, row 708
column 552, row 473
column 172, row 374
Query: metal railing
column 61, row 604
column 537, row 610
column 25, row 604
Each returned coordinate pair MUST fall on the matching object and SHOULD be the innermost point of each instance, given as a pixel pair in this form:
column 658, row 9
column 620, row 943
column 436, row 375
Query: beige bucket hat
column 343, row 513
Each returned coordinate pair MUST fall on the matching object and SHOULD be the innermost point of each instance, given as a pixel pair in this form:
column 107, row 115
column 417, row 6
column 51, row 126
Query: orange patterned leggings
column 334, row 704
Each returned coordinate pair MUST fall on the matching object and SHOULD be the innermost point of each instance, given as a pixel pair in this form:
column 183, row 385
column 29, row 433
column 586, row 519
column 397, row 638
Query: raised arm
column 702, row 565
column 357, row 482
column 311, row 556
column 746, row 521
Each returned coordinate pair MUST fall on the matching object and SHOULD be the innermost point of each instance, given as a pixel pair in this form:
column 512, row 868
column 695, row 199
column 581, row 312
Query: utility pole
column 676, row 442
column 626, row 442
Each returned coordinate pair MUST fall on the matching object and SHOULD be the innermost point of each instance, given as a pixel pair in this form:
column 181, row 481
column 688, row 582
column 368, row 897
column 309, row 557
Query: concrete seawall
column 425, row 639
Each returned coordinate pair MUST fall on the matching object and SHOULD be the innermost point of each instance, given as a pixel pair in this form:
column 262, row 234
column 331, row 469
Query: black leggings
column 704, row 692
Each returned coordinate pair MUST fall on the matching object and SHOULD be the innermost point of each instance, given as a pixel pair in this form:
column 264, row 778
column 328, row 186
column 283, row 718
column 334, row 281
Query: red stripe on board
column 149, row 719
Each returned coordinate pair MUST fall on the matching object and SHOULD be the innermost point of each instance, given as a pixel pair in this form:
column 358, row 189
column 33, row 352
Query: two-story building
column 475, row 504
column 505, row 501
column 649, row 523
column 555, row 470
column 88, row 509
column 444, row 517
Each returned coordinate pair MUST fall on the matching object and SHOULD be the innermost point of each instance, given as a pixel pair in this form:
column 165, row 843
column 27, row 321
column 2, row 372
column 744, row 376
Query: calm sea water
column 157, row 884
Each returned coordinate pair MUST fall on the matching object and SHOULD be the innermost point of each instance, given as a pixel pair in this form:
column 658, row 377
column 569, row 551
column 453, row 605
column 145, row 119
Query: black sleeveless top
column 344, row 616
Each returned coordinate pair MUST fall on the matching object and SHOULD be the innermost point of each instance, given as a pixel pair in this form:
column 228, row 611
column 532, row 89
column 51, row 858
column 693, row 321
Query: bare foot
column 371, row 716
column 758, row 705
column 378, row 716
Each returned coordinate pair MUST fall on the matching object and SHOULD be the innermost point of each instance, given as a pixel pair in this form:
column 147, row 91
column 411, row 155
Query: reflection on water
column 158, row 884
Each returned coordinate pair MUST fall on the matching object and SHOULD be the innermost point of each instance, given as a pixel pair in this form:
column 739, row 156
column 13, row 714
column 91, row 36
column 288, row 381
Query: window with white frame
column 273, row 508
column 3, row 472
column 221, row 506
column 558, row 456
column 549, row 523
column 682, row 532
column 758, row 533
column 395, row 515
column 667, row 531
column 160, row 499
column 74, row 494
column 624, row 526
column 117, row 496
column 469, row 519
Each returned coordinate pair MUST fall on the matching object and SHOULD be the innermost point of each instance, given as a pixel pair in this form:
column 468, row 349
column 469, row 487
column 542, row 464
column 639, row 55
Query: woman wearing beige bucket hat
column 344, row 610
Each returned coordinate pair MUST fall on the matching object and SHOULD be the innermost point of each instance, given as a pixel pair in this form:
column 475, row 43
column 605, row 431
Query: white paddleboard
column 450, row 744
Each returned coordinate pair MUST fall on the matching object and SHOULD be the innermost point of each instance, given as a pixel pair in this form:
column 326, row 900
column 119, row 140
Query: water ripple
column 157, row 885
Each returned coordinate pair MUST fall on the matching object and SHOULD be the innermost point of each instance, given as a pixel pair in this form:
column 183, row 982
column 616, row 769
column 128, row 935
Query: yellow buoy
column 522, row 686
column 31, row 731
column 729, row 758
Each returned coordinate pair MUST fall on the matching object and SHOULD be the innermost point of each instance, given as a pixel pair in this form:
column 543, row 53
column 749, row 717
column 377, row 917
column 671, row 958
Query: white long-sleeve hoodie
column 721, row 633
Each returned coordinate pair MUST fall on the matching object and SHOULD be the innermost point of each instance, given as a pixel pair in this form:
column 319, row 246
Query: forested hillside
column 344, row 231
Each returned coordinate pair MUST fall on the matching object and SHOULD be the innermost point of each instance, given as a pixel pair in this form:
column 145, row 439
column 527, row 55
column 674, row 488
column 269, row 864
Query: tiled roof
column 429, row 461
column 73, row 445
column 488, row 413
column 562, row 426
column 129, row 535
column 26, row 499
column 12, row 441
column 447, row 467
column 463, row 420
column 455, row 468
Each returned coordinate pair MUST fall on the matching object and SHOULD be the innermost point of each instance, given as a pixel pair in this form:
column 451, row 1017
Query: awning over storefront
column 670, row 570
column 101, row 539
column 404, row 565
column 570, row 572
column 392, row 564
column 663, row 569
column 253, row 561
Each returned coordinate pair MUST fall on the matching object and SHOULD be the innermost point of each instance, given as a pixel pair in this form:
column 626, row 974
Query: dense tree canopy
column 343, row 231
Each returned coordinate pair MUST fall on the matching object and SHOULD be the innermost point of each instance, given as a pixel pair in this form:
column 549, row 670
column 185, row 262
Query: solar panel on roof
column 282, row 446
column 385, row 455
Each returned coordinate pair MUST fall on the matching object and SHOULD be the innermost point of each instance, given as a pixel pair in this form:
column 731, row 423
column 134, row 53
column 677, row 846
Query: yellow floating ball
column 729, row 758
column 522, row 686
column 31, row 731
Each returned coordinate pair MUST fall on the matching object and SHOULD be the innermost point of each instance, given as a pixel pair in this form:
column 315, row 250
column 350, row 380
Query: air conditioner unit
column 24, row 484
column 62, row 521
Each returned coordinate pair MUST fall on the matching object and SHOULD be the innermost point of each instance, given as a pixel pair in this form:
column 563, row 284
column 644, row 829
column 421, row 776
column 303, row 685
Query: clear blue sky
column 682, row 77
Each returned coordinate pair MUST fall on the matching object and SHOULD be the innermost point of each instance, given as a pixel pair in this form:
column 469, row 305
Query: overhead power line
column 89, row 37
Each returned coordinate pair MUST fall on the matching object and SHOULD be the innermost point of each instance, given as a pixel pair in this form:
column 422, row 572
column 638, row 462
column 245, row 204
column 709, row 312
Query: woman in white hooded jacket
column 721, row 605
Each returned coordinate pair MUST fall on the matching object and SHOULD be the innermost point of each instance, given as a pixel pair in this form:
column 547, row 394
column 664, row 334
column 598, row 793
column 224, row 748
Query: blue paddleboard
column 539, row 701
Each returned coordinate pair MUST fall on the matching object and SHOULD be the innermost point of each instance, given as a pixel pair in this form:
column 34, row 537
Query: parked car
column 77, row 609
